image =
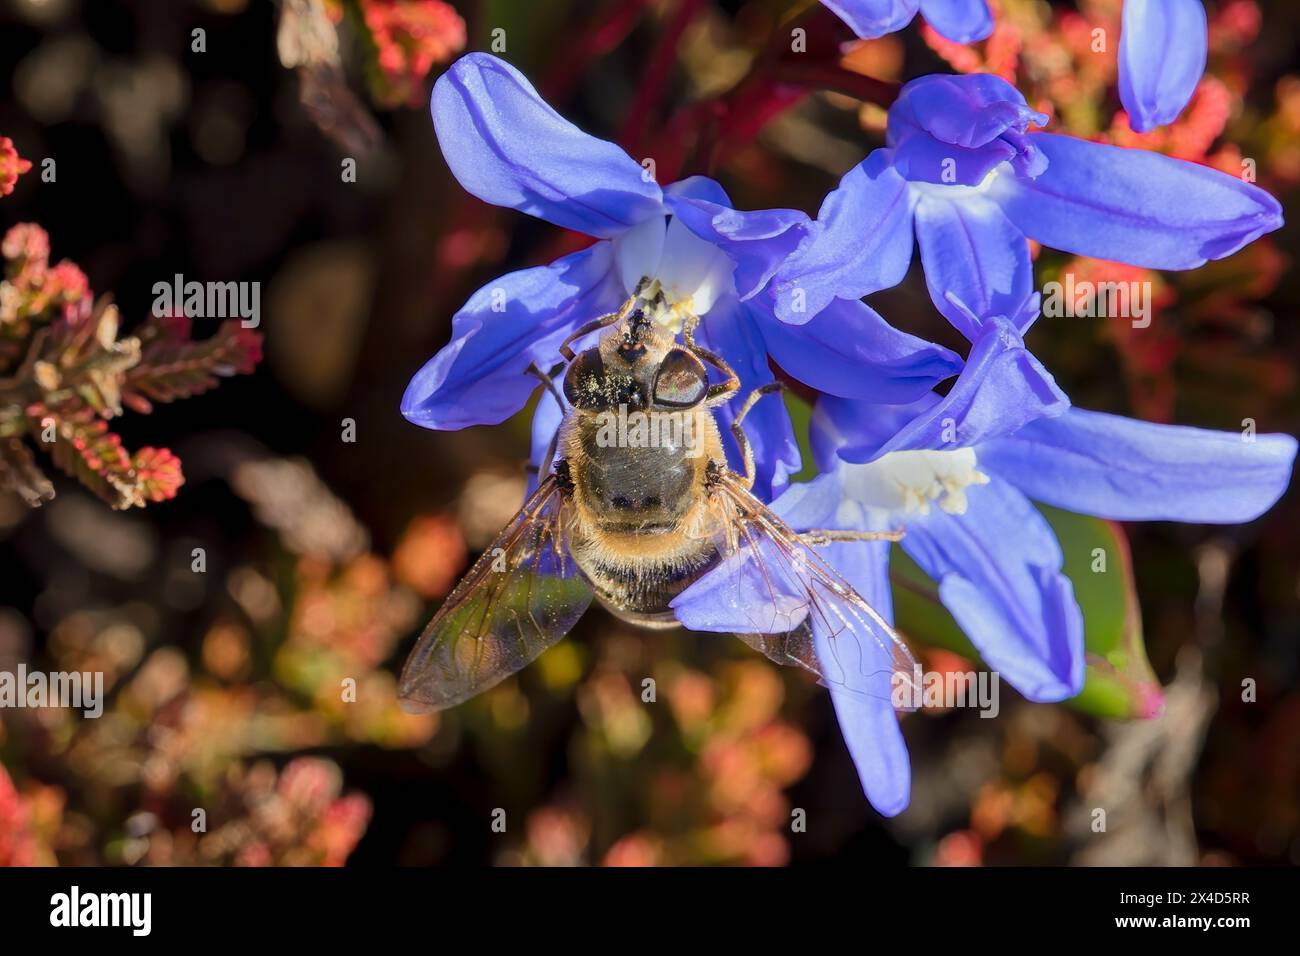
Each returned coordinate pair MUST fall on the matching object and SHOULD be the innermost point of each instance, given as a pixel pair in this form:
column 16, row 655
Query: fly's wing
column 519, row 598
column 782, row 599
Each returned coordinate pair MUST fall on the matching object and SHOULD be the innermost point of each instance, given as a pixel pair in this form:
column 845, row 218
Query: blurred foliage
column 66, row 372
column 260, row 689
column 282, row 666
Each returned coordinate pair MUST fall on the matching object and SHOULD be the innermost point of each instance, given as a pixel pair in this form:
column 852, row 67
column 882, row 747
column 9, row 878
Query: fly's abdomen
column 639, row 590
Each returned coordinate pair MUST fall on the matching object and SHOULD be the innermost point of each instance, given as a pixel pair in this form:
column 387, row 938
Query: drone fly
column 638, row 503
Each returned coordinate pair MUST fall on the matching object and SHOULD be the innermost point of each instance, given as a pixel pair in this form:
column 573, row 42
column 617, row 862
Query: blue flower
column 962, row 21
column 508, row 147
column 958, row 473
column 1163, row 44
column 1162, row 52
column 962, row 173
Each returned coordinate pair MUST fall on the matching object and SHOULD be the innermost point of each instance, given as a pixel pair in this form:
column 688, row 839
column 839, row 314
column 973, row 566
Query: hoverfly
column 635, row 523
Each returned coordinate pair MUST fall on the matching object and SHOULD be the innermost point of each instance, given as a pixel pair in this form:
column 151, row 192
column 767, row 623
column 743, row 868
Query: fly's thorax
column 640, row 471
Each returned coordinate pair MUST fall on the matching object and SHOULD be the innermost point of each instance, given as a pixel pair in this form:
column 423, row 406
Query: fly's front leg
column 821, row 537
column 747, row 452
column 595, row 325
column 719, row 393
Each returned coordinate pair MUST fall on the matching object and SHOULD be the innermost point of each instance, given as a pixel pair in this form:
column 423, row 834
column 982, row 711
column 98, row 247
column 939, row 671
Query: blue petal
column 1162, row 53
column 961, row 21
column 955, row 130
column 970, row 250
column 547, row 418
column 868, row 722
column 509, row 148
column 758, row 242
column 968, row 110
column 860, row 243
column 811, row 504
column 697, row 187
column 730, row 330
column 850, row 351
column 1001, row 389
column 921, row 158
column 875, row 742
column 738, row 596
column 1134, row 206
column 479, row 377
column 1130, row 470
column 874, row 18
column 999, row 572
column 859, row 429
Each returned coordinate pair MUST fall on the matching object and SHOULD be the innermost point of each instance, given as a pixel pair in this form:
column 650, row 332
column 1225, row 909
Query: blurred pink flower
column 17, row 840
column 11, row 165
column 411, row 36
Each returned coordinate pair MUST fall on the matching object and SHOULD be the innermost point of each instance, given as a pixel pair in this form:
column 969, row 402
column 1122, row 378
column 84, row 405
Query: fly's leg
column 747, row 452
column 547, row 379
column 595, row 325
column 719, row 393
column 550, row 457
column 821, row 537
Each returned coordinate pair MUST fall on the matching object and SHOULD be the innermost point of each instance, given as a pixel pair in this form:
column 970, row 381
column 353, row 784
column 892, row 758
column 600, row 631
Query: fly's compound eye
column 681, row 381
column 584, row 381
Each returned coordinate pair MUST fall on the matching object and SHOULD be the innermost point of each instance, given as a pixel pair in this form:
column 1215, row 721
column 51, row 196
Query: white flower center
column 905, row 482
column 693, row 273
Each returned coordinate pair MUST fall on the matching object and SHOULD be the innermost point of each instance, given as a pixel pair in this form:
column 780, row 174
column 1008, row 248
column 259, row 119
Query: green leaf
column 1119, row 682
column 918, row 613
column 800, row 417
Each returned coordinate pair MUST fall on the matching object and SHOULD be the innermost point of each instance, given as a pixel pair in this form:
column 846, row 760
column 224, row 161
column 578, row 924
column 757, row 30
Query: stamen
column 906, row 482
column 663, row 256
